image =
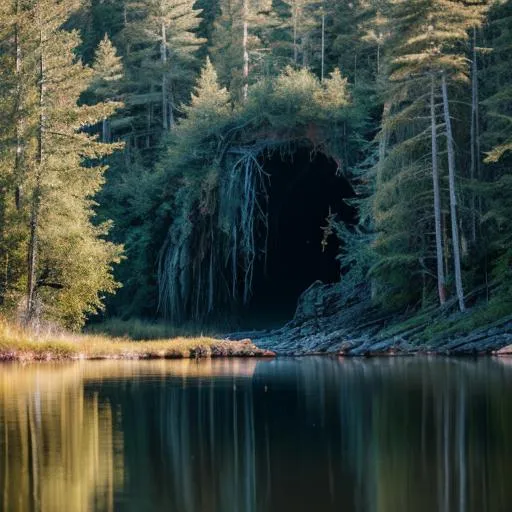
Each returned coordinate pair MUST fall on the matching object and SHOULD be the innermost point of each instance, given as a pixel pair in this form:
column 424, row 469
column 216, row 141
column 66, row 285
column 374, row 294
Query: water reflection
column 312, row 434
column 57, row 443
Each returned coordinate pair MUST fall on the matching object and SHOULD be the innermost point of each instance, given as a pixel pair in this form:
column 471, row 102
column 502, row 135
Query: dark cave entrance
column 303, row 189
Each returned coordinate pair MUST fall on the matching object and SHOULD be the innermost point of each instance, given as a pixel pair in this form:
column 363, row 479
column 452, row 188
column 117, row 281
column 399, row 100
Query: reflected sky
column 308, row 434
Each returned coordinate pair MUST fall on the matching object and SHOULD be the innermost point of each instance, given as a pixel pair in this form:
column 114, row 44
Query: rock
column 505, row 351
column 326, row 322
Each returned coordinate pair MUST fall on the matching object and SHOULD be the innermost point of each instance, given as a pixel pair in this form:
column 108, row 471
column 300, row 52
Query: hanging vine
column 218, row 236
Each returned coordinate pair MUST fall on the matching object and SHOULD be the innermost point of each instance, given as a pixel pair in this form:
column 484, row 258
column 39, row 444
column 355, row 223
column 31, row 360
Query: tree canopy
column 135, row 136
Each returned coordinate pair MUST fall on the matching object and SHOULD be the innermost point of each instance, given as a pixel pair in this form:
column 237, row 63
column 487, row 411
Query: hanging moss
column 220, row 193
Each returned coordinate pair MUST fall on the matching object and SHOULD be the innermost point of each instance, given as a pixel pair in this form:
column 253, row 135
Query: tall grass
column 17, row 343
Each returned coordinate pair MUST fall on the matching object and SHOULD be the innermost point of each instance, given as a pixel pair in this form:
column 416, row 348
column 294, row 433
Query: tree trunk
column 477, row 117
column 383, row 147
column 4, row 255
column 378, row 59
column 441, row 281
column 19, row 126
column 305, row 40
column 453, row 196
column 36, row 197
column 295, row 48
column 245, row 49
column 149, row 121
column 383, row 142
column 125, row 24
column 475, row 153
column 170, row 108
column 105, row 132
column 355, row 69
column 165, row 101
column 323, row 46
column 5, row 189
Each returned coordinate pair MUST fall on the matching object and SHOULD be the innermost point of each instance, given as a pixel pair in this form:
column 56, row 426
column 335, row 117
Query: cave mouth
column 303, row 189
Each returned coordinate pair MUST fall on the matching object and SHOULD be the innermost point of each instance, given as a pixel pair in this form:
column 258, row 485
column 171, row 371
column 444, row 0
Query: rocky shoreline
column 323, row 324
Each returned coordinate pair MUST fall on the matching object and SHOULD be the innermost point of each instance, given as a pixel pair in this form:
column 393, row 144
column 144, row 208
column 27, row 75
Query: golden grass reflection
column 57, row 444
column 61, row 447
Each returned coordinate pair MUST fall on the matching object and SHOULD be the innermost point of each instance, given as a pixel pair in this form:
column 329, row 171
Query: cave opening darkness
column 304, row 188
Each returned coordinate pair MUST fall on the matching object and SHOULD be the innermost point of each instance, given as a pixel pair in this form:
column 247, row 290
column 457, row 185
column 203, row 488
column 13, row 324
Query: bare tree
column 453, row 196
column 441, row 281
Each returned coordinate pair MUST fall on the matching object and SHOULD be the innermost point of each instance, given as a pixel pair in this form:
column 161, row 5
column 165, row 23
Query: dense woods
column 138, row 142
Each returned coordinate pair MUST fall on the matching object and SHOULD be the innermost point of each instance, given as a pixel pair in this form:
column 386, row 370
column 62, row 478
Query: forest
column 203, row 162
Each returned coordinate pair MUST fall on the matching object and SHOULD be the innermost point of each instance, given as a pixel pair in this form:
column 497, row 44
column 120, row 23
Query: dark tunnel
column 303, row 189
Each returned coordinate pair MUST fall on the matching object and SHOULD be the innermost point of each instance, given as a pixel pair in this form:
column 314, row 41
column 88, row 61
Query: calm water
column 312, row 435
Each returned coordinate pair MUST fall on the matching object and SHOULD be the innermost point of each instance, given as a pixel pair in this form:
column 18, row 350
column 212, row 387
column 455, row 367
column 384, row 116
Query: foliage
column 57, row 171
column 426, row 42
column 108, row 69
column 220, row 203
column 186, row 191
column 497, row 189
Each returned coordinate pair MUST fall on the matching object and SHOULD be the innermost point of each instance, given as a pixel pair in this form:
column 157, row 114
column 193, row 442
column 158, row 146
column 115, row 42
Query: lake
column 307, row 434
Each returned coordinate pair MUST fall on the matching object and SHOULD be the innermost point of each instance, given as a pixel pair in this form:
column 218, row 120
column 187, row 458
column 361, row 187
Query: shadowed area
column 303, row 190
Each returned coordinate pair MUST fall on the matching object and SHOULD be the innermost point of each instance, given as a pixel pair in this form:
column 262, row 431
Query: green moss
column 465, row 323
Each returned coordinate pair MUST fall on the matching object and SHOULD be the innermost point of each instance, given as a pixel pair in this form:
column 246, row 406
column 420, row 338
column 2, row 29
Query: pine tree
column 498, row 103
column 210, row 10
column 11, row 153
column 108, row 71
column 227, row 43
column 161, row 48
column 304, row 22
column 68, row 263
column 208, row 99
column 496, row 191
column 95, row 19
column 356, row 36
column 426, row 53
column 246, row 44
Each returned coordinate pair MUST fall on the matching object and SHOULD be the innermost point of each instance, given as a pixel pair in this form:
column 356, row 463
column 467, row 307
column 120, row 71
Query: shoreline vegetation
column 135, row 339
column 19, row 344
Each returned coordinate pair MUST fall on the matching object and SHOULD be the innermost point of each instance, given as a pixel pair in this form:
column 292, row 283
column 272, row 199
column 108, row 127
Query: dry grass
column 17, row 344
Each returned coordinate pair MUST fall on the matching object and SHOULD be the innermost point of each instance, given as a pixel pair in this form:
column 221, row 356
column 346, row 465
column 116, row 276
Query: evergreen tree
column 161, row 48
column 108, row 71
column 304, row 23
column 68, row 261
column 499, row 102
column 497, row 143
column 208, row 100
column 13, row 102
column 425, row 54
column 245, row 38
column 210, row 10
